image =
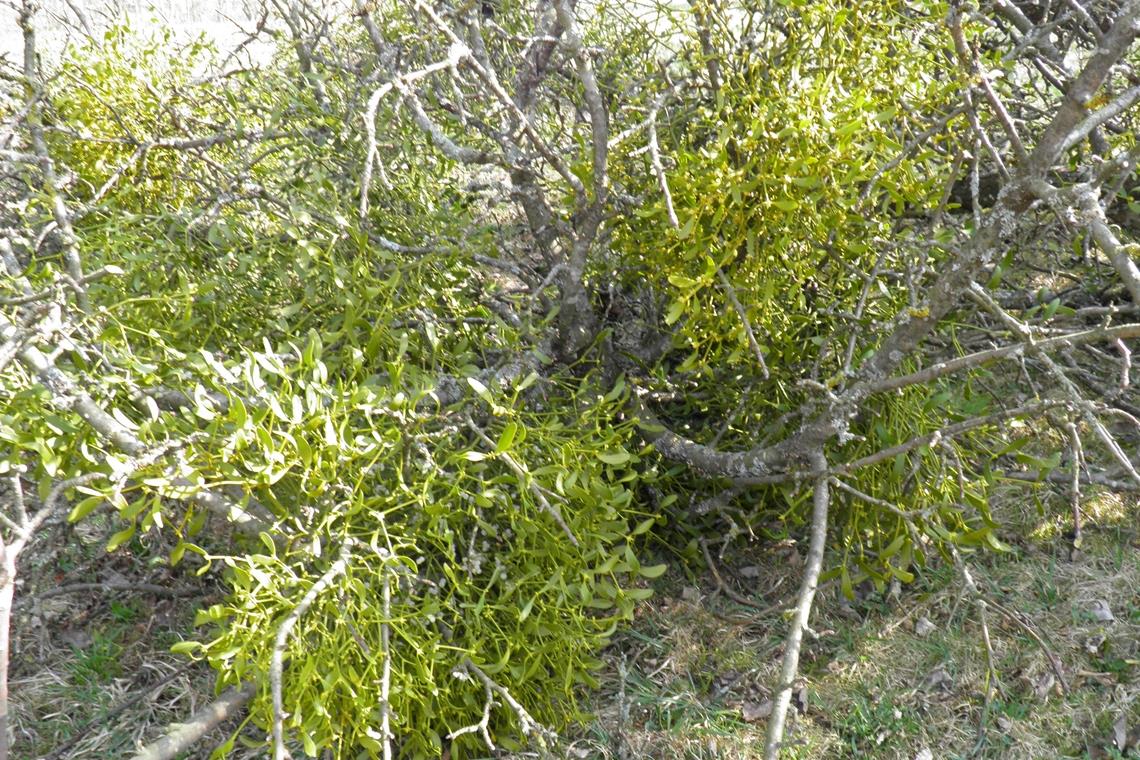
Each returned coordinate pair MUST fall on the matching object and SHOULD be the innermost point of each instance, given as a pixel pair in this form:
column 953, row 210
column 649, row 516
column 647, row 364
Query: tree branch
column 790, row 667
column 182, row 736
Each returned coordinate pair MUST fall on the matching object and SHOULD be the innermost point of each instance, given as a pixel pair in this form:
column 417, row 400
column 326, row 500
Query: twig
column 1074, row 394
column 371, row 152
column 144, row 588
column 67, row 394
column 1024, row 625
column 572, row 41
column 1125, row 364
column 1121, row 255
column 969, row 59
column 731, row 293
column 991, row 669
column 483, row 726
column 721, row 585
column 658, row 167
column 276, row 662
column 386, row 673
column 530, row 727
column 34, row 95
column 790, row 667
column 526, row 479
column 492, row 83
column 1075, row 486
column 946, row 433
column 716, row 501
column 1012, row 351
column 1091, row 478
column 623, row 709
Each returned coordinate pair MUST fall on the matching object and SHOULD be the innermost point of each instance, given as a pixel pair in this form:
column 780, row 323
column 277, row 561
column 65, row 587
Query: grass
column 878, row 684
column 100, row 662
column 92, row 674
column 886, row 677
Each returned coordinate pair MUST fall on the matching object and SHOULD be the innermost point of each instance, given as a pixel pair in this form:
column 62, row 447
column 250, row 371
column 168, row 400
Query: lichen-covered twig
column 530, row 727
column 277, row 660
column 181, row 736
column 821, row 499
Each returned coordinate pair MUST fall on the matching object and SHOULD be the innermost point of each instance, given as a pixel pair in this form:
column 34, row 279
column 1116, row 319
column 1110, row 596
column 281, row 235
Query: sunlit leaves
column 320, row 379
column 769, row 181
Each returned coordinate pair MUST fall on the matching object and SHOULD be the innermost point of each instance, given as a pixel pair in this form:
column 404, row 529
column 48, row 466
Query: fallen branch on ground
column 181, row 736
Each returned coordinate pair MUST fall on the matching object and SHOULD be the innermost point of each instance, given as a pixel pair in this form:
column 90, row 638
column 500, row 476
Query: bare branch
column 947, row 433
column 34, row 121
column 969, row 60
column 1057, row 137
column 182, row 736
column 983, row 618
column 1077, row 454
column 658, row 167
column 731, row 293
column 386, row 672
column 526, row 480
column 530, row 727
column 799, row 623
column 277, row 659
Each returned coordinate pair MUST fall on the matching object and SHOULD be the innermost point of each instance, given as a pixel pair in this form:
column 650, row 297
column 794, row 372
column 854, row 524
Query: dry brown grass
column 875, row 686
column 93, row 677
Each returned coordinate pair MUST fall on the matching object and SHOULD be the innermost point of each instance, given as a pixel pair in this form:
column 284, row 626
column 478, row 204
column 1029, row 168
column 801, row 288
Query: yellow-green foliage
column 358, row 383
column 477, row 569
column 332, row 356
column 110, row 98
column 768, row 176
column 794, row 180
column 341, row 436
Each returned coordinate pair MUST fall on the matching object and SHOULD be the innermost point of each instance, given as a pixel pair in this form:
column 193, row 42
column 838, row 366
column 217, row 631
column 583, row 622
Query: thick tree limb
column 767, row 464
column 755, row 463
column 1067, row 126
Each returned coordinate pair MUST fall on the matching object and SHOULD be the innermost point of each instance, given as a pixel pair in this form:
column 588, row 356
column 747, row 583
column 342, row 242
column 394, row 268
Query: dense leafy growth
column 451, row 313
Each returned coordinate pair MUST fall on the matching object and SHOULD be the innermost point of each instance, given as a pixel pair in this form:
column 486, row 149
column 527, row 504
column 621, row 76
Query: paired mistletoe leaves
column 408, row 297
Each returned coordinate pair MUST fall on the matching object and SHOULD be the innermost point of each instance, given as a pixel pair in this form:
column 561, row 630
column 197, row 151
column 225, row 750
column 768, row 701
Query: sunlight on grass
column 881, row 685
